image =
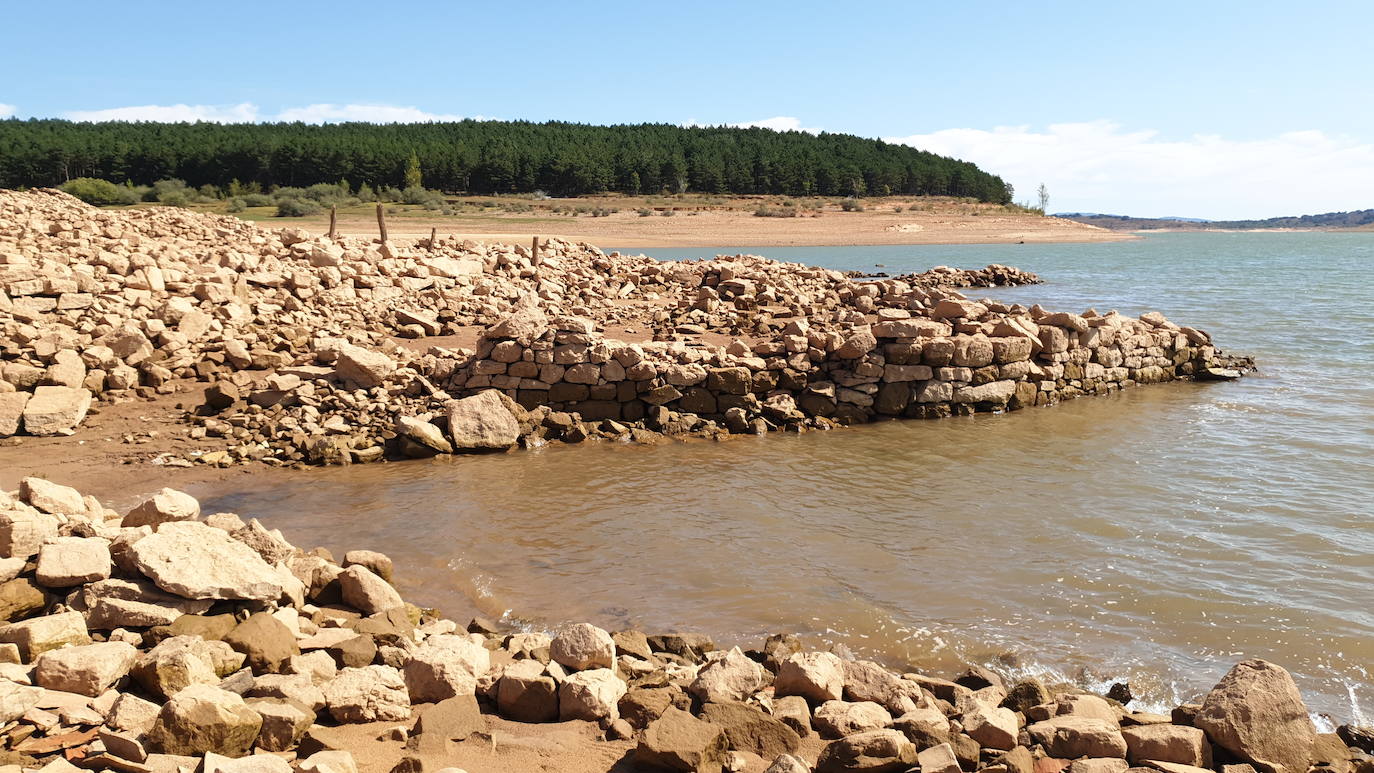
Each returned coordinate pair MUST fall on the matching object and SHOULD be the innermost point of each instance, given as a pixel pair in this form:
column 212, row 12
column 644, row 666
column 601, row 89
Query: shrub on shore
column 102, row 192
column 293, row 207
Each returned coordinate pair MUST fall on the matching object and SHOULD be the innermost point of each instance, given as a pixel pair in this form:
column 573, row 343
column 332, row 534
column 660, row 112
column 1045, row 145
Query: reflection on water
column 1158, row 535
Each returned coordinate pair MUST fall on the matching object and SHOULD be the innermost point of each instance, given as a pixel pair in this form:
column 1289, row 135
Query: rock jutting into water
column 126, row 647
column 298, row 336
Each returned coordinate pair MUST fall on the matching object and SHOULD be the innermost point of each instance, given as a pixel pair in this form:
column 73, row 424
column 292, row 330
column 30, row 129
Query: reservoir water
column 1154, row 536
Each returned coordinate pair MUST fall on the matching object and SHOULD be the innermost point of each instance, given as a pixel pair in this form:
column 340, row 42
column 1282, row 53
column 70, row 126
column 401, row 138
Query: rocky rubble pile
column 299, row 337
column 166, row 639
column 994, row 275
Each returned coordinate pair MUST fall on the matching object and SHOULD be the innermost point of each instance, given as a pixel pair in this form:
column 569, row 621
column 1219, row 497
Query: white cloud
column 1099, row 166
column 6, row 110
column 245, row 112
column 327, row 113
column 248, row 112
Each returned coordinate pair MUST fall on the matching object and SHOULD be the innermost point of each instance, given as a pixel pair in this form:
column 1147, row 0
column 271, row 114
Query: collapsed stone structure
column 298, row 334
column 167, row 639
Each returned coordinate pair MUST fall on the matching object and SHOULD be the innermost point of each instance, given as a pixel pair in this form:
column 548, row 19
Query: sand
column 717, row 227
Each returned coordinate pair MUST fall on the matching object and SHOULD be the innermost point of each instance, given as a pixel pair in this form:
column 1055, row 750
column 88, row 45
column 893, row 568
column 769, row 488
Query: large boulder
column 992, row 728
column 51, row 497
column 56, row 410
column 482, row 423
column 446, row 666
column 837, row 719
column 749, row 729
column 526, row 693
column 17, row 699
column 593, row 695
column 451, row 719
column 176, row 663
column 266, row 642
column 116, row 603
column 1179, row 744
column 196, row 561
column 165, row 506
column 67, row 561
column 362, row 368
column 679, row 741
column 1256, row 713
column 581, row 646
column 203, row 718
column 41, row 634
column 283, row 723
column 23, row 532
column 876, row 751
column 815, row 676
column 366, row 592
column 728, row 676
column 12, row 412
column 867, row 681
column 1070, row 737
column 89, row 669
column 368, row 694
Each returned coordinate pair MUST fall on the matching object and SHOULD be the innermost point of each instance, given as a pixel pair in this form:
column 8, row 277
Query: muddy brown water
column 1154, row 536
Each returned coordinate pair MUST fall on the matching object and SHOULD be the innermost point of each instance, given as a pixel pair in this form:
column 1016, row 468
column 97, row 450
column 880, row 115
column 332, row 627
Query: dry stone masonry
column 168, row 661
column 298, row 338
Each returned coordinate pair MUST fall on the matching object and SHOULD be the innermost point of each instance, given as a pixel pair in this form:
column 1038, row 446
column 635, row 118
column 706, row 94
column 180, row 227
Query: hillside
column 562, row 159
column 1357, row 219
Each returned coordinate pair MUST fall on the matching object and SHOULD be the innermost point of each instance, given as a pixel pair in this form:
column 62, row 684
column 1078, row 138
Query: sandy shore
column 733, row 227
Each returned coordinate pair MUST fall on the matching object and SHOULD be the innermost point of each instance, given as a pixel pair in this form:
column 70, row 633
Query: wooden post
column 333, row 221
column 433, row 238
column 534, row 252
column 381, row 221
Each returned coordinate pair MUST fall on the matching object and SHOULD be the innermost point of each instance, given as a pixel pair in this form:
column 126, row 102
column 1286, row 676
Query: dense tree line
column 485, row 157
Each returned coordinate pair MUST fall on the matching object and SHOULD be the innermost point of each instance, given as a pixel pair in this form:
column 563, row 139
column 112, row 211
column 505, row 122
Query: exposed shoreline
column 705, row 349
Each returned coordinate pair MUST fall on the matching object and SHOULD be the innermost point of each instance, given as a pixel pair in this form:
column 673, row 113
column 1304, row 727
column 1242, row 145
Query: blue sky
column 1220, row 109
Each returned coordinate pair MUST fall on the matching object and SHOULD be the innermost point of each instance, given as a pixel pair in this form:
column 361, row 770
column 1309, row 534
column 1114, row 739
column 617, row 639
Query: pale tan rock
column 361, row 368
column 133, row 714
column 163, row 507
column 196, row 561
column 581, row 646
column 446, row 666
column 203, row 718
column 728, row 676
column 283, row 723
column 67, row 561
column 993, row 728
column 12, row 412
column 368, row 694
column 16, row 699
column 592, row 695
column 366, row 592
column 23, row 532
column 56, row 410
column 176, row 663
column 89, row 669
column 815, row 676
column 481, row 423
column 1077, row 736
column 51, row 497
column 41, row 634
column 837, row 719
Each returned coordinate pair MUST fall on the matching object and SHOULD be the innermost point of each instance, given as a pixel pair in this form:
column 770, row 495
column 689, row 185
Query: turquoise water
column 1156, row 535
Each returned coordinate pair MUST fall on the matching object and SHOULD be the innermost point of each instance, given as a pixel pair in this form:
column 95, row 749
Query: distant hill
column 1357, row 219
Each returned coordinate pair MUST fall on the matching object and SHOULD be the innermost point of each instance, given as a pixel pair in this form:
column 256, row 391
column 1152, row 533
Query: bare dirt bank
column 716, row 227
